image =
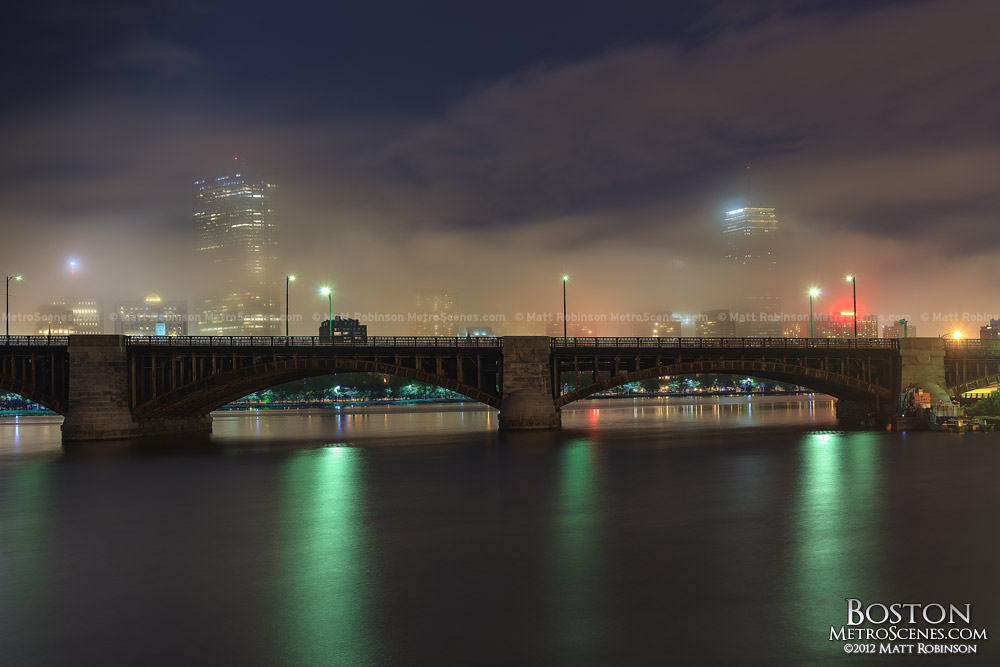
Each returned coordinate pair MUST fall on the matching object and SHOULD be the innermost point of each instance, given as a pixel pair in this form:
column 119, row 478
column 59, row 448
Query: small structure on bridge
column 343, row 328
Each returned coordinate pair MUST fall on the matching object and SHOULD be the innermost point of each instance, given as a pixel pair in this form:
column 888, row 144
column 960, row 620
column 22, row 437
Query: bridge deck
column 728, row 343
column 491, row 342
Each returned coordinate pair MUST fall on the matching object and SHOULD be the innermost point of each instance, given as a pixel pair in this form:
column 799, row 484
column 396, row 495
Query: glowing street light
column 854, row 284
column 288, row 279
column 7, row 311
column 565, row 330
column 328, row 293
column 812, row 292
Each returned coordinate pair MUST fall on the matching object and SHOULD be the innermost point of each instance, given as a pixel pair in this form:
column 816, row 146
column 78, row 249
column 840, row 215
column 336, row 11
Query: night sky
column 491, row 147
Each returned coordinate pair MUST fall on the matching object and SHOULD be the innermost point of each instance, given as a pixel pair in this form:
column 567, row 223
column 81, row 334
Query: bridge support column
column 527, row 401
column 923, row 366
column 98, row 405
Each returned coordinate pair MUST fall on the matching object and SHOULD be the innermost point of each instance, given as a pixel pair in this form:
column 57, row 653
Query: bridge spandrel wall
column 527, row 401
column 98, row 403
column 923, row 366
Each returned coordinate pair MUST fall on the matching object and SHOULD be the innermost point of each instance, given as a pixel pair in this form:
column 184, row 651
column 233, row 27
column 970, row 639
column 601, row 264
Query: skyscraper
column 235, row 232
column 751, row 236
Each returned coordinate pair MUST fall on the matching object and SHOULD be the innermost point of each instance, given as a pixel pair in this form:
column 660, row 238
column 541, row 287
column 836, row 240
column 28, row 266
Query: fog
column 874, row 141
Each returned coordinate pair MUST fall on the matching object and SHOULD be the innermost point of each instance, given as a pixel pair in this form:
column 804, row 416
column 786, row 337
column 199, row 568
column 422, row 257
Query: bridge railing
column 33, row 341
column 784, row 343
column 314, row 341
column 973, row 346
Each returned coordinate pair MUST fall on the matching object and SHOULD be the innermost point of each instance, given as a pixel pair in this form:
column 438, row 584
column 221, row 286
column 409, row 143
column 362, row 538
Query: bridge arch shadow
column 837, row 385
column 31, row 394
column 984, row 382
column 204, row 396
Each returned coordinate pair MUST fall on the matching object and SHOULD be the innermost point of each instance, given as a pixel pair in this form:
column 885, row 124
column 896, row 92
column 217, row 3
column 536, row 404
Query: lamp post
column 328, row 293
column 6, row 312
column 288, row 279
column 854, row 284
column 565, row 330
column 812, row 292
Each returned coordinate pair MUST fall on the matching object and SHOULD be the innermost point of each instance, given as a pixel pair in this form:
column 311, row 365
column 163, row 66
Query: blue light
column 734, row 212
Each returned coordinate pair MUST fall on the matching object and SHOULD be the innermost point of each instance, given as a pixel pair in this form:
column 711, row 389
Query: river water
column 722, row 531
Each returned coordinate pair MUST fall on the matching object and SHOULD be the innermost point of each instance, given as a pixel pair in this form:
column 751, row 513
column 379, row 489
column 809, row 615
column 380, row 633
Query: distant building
column 841, row 325
column 988, row 332
column 55, row 319
column 715, row 324
column 151, row 317
column 750, row 233
column 235, row 229
column 795, row 329
column 434, row 314
column 897, row 330
column 344, row 328
column 760, row 317
column 657, row 324
column 576, row 329
column 78, row 317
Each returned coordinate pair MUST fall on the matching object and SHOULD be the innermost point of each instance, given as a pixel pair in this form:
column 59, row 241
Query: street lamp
column 288, row 279
column 854, row 284
column 812, row 292
column 328, row 293
column 565, row 331
column 7, row 310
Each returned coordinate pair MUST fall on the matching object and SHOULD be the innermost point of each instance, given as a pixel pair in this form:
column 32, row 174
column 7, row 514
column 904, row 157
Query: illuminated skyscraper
column 750, row 236
column 235, row 231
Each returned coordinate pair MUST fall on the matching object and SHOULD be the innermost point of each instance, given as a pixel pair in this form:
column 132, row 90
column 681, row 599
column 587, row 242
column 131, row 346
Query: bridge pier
column 527, row 402
column 98, row 405
column 923, row 366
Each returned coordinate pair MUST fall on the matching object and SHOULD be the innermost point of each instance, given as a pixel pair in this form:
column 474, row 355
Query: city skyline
column 628, row 143
column 521, row 333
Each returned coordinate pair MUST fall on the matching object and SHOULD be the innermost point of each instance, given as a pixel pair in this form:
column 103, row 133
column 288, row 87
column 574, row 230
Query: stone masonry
column 99, row 395
column 527, row 385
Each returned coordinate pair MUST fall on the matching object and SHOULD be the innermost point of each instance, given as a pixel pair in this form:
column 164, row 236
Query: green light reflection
column 836, row 542
column 24, row 520
column 326, row 597
column 575, row 609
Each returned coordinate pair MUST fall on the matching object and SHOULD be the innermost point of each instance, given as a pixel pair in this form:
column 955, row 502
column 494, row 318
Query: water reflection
column 575, row 562
column 25, row 593
column 702, row 412
column 326, row 594
column 836, row 541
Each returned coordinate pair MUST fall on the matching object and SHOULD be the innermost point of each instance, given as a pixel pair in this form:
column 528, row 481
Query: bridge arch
column 977, row 383
column 32, row 394
column 204, row 396
column 837, row 385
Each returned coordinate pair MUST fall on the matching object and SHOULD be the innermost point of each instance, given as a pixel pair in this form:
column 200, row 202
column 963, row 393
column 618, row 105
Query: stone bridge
column 121, row 387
